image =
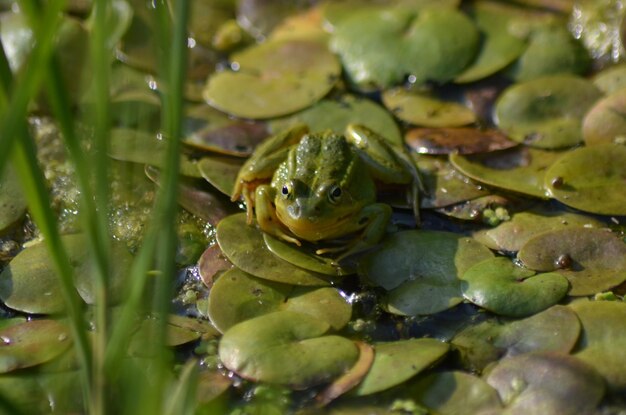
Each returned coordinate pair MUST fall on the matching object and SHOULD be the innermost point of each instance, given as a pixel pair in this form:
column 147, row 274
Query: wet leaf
column 32, row 343
column 611, row 79
column 511, row 235
column 274, row 79
column 382, row 47
column 520, row 169
column 12, row 201
column 420, row 269
column 555, row 329
column 449, row 393
column 259, row 17
column 286, row 348
column 426, row 110
column 546, row 112
column 336, row 114
column 593, row 260
column 547, row 383
column 237, row 296
column 456, row 140
column 474, row 210
column 396, row 362
column 244, row 246
column 505, row 289
column 597, row 190
column 603, row 339
column 212, row 386
column 606, row 120
column 212, row 264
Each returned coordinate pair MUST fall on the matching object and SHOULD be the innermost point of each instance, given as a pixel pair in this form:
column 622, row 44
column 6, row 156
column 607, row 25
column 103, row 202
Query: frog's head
column 322, row 187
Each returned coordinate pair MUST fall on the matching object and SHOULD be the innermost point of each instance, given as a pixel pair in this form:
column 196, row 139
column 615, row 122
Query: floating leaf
column 426, row 110
column 511, row 235
column 503, row 288
column 421, row 269
column 520, row 169
column 212, row 264
column 286, row 348
column 593, row 260
column 396, row 362
column 220, row 171
column 611, row 79
column 598, row 190
column 382, row 47
column 456, row 140
column 546, row 112
column 237, row 296
column 273, row 79
column 603, row 339
column 12, row 201
column 547, row 383
column 606, row 120
column 244, row 246
column 555, row 329
column 32, row 343
column 337, row 114
column 478, row 209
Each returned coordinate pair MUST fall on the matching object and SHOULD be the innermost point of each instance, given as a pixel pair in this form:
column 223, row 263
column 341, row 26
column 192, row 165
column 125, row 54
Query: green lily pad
column 456, row 140
column 420, row 269
column 396, row 362
column 305, row 257
column 510, row 236
column 479, row 209
column 12, row 200
column 286, row 348
column 593, row 260
column 444, row 184
column 237, row 296
column 212, row 264
column 520, row 169
column 547, row 383
column 606, row 120
column 505, row 289
column 338, row 113
column 382, row 47
column 451, row 393
column 603, row 339
column 274, row 79
column 597, row 190
column 244, row 246
column 423, row 109
column 546, row 112
column 499, row 46
column 611, row 79
column 32, row 343
column 551, row 50
column 220, row 171
column 555, row 330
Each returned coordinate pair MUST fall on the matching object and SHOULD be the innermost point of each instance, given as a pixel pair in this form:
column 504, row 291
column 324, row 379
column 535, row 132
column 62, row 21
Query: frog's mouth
column 315, row 229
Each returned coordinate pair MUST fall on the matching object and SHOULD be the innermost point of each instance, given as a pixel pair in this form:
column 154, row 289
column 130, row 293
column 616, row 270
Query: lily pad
column 479, row 209
column 452, row 393
column 505, row 289
column 510, row 236
column 598, row 190
column 603, row 339
column 12, row 200
column 420, row 269
column 593, row 260
column 396, row 362
column 338, row 113
column 237, row 296
column 555, row 329
column 212, row 264
column 286, row 348
column 547, row 383
column 305, row 257
column 32, row 343
column 382, row 47
column 456, row 140
column 273, row 79
column 611, row 79
column 244, row 246
column 546, row 112
column 426, row 110
column 220, row 171
column 606, row 120
column 520, row 169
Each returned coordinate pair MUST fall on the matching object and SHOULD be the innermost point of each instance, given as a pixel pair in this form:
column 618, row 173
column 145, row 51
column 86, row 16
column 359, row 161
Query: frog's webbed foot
column 266, row 215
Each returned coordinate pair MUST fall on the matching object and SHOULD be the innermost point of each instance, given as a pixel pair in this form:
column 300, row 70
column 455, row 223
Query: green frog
column 322, row 187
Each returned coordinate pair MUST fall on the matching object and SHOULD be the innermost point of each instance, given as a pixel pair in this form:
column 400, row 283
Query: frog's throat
column 313, row 231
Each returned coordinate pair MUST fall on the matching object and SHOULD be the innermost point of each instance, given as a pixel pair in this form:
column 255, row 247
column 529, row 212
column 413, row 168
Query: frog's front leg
column 266, row 214
column 374, row 219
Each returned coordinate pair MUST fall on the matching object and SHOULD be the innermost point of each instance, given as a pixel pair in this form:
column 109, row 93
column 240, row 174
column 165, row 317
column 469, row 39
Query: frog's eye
column 334, row 194
column 286, row 190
